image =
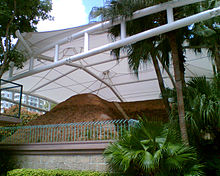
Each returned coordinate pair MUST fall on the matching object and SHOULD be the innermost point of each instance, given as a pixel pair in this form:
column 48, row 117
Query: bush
column 44, row 172
column 202, row 109
column 152, row 148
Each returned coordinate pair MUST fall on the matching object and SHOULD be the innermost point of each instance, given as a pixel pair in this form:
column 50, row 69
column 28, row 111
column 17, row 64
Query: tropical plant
column 202, row 106
column 150, row 148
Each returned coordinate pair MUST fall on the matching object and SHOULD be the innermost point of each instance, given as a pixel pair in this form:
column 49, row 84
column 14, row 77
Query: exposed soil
column 89, row 107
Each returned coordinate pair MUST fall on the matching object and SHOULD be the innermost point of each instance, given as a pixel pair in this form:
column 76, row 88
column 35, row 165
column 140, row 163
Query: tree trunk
column 179, row 86
column 7, row 37
column 161, row 83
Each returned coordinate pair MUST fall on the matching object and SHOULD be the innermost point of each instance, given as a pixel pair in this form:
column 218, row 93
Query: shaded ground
column 89, row 107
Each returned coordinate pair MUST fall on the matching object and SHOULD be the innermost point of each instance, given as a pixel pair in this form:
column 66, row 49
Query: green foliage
column 202, row 108
column 44, row 172
column 203, row 118
column 15, row 56
column 152, row 149
column 206, row 34
column 23, row 16
column 203, row 105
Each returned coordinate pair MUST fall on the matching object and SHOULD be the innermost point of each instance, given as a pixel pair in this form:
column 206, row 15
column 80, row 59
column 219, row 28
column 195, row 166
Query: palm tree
column 126, row 8
column 203, row 106
column 207, row 35
column 148, row 53
column 202, row 109
column 140, row 52
column 150, row 149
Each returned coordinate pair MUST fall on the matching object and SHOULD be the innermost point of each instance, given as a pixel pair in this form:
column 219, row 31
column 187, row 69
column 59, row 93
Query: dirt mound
column 89, row 107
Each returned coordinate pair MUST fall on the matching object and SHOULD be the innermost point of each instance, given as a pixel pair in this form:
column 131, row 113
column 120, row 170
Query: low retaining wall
column 85, row 155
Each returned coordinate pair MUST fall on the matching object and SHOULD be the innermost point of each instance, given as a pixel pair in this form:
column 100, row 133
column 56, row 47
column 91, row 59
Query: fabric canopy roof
column 101, row 74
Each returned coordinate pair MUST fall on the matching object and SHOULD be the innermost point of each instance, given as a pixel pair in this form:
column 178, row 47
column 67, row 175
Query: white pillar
column 86, row 42
column 31, row 63
column 170, row 17
column 123, row 29
column 11, row 69
column 38, row 103
column 56, row 54
column 13, row 95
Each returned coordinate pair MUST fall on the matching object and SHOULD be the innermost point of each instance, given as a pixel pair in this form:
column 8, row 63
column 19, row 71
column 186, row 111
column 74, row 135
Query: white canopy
column 98, row 73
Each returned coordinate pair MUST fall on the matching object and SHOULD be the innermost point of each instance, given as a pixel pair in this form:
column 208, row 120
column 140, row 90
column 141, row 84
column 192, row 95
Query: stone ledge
column 4, row 120
column 57, row 148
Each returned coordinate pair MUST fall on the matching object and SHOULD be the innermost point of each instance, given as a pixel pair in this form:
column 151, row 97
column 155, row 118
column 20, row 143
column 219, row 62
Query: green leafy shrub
column 154, row 149
column 44, row 172
column 202, row 109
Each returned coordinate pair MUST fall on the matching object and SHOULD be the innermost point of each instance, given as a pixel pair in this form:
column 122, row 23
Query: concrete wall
column 85, row 155
column 73, row 161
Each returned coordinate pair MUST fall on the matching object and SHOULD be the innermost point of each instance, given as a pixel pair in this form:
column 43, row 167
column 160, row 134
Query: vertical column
column 31, row 63
column 13, row 95
column 123, row 29
column 38, row 102
column 170, row 17
column 27, row 97
column 86, row 42
column 11, row 69
column 56, row 54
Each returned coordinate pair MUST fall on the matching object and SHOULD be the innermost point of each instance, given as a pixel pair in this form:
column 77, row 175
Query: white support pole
column 123, row 29
column 11, row 69
column 27, row 47
column 86, row 42
column 49, row 106
column 13, row 95
column 31, row 63
column 38, row 102
column 27, row 98
column 129, row 40
column 56, row 53
column 170, row 17
column 108, row 24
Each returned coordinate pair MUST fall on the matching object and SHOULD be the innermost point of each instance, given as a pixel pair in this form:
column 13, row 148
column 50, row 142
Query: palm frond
column 150, row 149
